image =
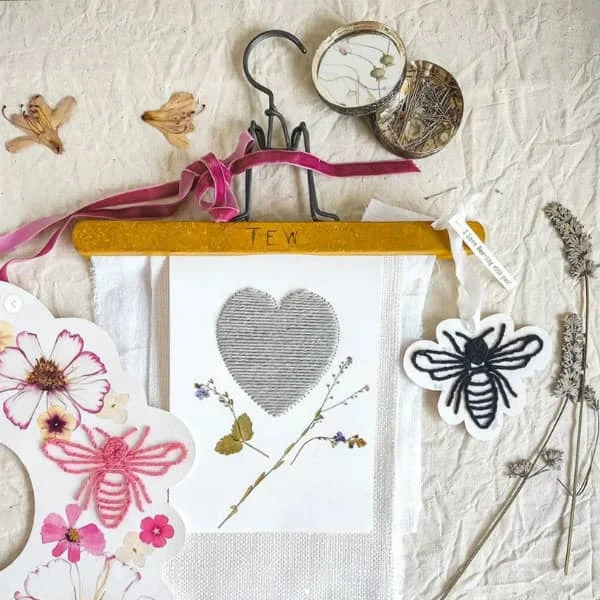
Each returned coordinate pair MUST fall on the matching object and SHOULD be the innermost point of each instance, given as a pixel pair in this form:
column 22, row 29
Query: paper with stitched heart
column 277, row 353
column 256, row 336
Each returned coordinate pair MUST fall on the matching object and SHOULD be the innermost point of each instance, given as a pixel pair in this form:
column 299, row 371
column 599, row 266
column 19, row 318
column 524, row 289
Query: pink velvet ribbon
column 197, row 179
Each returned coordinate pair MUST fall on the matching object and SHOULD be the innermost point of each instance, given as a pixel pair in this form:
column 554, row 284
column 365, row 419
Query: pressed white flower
column 69, row 376
column 115, row 408
column 133, row 550
column 344, row 48
column 96, row 578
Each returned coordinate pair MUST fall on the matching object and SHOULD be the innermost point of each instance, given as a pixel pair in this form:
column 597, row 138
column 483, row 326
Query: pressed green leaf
column 228, row 445
column 242, row 428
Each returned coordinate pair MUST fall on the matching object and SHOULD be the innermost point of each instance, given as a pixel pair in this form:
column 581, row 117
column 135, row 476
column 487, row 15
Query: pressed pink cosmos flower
column 70, row 538
column 156, row 531
column 69, row 377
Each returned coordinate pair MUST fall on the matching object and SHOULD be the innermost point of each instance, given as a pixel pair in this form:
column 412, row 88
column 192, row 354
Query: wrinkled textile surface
column 529, row 72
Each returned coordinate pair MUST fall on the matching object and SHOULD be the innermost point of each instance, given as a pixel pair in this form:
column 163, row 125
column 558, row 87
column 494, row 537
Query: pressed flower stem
column 574, row 487
column 316, row 419
column 505, row 506
column 255, row 449
column 264, row 475
column 312, row 439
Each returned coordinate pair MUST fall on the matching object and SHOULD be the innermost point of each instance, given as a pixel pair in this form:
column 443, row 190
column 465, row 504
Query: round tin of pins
column 424, row 115
column 359, row 68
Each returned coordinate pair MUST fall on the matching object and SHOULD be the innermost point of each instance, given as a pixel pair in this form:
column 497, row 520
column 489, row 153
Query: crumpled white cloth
column 529, row 76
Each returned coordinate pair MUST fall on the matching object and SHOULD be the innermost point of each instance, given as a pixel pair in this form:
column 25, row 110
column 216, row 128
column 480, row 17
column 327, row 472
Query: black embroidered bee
column 477, row 370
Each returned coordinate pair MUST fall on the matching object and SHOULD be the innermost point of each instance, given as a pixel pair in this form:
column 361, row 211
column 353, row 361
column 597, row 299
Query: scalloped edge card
column 479, row 374
column 99, row 458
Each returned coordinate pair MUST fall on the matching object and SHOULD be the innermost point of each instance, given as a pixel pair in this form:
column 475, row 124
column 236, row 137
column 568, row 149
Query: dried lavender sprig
column 578, row 250
column 578, row 245
column 568, row 382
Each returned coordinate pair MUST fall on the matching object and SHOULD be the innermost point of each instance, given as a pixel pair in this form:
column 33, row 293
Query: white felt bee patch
column 479, row 374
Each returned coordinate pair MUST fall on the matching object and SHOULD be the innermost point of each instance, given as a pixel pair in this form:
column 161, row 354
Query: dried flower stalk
column 578, row 250
column 568, row 382
column 41, row 124
column 524, row 470
column 578, row 244
column 175, row 118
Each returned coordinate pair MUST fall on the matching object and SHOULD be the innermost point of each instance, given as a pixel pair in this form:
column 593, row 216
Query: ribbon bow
column 208, row 173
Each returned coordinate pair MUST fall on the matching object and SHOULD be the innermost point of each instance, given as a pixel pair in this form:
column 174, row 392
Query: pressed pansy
column 7, row 335
column 339, row 438
column 133, row 550
column 115, row 408
column 56, row 423
column 70, row 538
column 69, row 376
column 156, row 531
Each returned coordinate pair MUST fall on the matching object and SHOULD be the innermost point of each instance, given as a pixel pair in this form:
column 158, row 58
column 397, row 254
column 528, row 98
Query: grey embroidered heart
column 277, row 354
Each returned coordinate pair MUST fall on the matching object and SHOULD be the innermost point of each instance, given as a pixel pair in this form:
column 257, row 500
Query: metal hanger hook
column 281, row 33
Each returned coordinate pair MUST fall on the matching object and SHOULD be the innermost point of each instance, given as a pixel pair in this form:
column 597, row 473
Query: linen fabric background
column 529, row 72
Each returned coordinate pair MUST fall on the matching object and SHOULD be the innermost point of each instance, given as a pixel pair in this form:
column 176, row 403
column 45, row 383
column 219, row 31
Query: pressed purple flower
column 339, row 438
column 202, row 392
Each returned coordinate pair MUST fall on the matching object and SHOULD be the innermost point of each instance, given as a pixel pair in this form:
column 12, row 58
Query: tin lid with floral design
column 359, row 67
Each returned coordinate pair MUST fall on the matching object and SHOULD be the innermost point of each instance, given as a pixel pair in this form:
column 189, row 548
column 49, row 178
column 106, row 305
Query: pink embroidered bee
column 114, row 469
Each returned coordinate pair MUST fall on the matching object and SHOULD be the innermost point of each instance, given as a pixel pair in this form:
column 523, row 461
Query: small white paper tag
column 482, row 252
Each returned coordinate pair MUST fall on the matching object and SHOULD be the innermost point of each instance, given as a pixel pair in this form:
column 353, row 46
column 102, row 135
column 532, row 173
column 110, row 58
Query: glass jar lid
column 359, row 68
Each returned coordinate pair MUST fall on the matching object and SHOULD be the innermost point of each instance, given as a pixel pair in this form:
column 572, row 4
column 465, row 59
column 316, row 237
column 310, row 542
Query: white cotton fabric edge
column 121, row 305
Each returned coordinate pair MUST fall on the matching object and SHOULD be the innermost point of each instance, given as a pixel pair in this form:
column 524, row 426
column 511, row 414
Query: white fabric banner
column 292, row 564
